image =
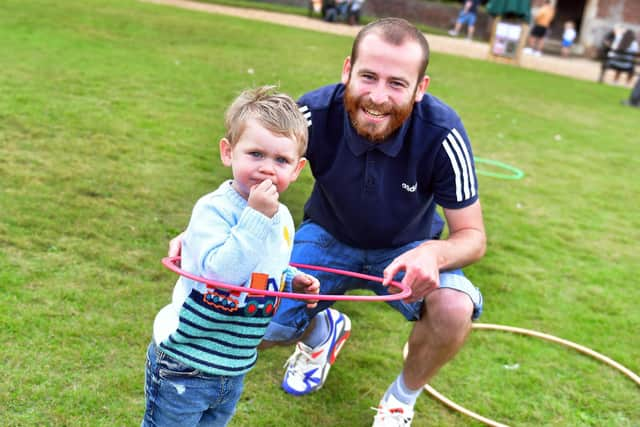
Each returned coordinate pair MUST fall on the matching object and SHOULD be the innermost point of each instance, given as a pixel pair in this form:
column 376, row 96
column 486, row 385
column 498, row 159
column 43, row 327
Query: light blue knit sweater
column 212, row 329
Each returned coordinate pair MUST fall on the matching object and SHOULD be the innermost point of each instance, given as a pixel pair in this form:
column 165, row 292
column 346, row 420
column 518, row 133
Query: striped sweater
column 212, row 329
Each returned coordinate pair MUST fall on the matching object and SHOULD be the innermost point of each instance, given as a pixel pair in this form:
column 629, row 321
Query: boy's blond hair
column 277, row 112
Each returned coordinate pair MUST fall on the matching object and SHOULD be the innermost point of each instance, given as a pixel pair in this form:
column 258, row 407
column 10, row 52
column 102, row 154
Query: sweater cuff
column 257, row 223
column 289, row 274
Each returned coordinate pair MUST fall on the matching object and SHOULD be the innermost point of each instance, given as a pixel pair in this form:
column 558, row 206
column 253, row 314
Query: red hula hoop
column 171, row 264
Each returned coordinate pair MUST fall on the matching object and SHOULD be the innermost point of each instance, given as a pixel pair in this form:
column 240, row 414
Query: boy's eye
column 282, row 160
column 256, row 154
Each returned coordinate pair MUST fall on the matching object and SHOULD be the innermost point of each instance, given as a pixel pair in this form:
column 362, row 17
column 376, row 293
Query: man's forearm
column 460, row 249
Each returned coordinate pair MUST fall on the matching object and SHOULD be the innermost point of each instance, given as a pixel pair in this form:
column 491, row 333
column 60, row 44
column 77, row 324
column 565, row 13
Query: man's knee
column 445, row 322
column 449, row 308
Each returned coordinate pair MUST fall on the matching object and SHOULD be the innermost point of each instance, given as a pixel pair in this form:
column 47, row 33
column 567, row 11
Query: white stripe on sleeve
column 460, row 159
column 306, row 113
column 462, row 163
column 472, row 180
column 456, row 171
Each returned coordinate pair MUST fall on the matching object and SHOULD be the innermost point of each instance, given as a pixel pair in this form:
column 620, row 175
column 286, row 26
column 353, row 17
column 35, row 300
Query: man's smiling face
column 382, row 86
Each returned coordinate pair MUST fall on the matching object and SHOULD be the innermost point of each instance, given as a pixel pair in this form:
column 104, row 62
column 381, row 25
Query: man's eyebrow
column 394, row 78
column 367, row 71
column 400, row 79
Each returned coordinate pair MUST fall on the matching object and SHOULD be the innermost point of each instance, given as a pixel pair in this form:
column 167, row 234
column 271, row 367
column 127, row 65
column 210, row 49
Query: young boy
column 568, row 37
column 206, row 340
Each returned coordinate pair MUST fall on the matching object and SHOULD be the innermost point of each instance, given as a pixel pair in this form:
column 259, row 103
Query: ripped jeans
column 178, row 395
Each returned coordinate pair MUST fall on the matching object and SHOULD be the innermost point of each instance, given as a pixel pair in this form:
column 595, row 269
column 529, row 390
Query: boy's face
column 260, row 155
column 382, row 86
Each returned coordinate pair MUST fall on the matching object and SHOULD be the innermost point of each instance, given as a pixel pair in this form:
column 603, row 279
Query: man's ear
column 225, row 152
column 346, row 70
column 422, row 88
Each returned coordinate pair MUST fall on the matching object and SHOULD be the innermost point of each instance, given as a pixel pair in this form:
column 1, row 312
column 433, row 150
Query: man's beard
column 374, row 132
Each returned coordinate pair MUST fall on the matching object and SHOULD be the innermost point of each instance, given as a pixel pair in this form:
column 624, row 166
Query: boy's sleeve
column 289, row 275
column 223, row 251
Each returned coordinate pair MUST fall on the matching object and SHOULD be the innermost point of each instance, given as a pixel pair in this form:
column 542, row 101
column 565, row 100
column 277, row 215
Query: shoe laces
column 391, row 417
column 300, row 358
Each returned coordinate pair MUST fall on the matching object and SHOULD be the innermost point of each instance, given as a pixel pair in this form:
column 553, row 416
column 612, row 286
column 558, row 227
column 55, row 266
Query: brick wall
column 632, row 11
column 620, row 10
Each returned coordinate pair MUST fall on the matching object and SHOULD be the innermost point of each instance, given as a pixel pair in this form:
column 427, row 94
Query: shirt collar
column 360, row 145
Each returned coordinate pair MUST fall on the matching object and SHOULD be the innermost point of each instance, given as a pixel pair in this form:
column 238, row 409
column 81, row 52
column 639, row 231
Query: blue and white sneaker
column 307, row 368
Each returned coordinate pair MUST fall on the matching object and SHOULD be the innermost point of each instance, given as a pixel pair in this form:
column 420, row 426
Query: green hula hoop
column 515, row 172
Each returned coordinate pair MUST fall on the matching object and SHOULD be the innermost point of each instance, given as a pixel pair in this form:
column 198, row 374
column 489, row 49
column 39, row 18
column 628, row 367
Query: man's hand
column 306, row 284
column 421, row 272
column 263, row 197
column 465, row 245
column 175, row 245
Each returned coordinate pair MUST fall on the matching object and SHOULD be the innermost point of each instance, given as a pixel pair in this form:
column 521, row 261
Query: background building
column 593, row 18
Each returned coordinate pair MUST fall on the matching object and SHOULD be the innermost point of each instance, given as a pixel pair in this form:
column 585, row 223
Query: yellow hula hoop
column 582, row 349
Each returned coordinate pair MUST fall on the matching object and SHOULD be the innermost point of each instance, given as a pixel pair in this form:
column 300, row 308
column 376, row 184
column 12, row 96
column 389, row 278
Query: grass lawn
column 110, row 113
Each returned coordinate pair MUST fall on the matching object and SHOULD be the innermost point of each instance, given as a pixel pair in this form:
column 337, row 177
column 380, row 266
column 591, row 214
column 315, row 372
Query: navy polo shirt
column 383, row 195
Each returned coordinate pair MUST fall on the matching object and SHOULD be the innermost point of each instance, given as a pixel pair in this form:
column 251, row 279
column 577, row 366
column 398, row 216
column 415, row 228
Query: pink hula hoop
column 172, row 264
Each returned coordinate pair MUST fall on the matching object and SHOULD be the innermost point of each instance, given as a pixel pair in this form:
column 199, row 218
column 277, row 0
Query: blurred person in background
column 467, row 17
column 540, row 29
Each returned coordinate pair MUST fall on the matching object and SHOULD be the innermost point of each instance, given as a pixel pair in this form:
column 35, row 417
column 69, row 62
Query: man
column 634, row 97
column 383, row 153
column 542, row 20
column 467, row 17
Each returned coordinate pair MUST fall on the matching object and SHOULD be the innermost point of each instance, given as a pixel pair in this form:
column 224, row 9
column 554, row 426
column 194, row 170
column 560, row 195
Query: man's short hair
column 277, row 112
column 394, row 31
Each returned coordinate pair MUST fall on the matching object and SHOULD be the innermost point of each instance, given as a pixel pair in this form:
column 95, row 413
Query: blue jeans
column 178, row 395
column 313, row 245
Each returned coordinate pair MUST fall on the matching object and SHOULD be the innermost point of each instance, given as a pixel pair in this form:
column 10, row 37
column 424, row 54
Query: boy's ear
column 225, row 152
column 299, row 167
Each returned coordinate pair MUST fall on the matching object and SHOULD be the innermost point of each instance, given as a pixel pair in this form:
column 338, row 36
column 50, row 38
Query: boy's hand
column 306, row 284
column 175, row 245
column 263, row 197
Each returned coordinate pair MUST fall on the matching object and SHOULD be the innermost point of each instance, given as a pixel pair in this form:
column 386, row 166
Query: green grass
column 110, row 113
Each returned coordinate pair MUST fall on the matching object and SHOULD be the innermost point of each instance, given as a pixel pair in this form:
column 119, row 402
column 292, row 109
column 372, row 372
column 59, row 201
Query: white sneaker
column 307, row 368
column 452, row 33
column 527, row 51
column 392, row 413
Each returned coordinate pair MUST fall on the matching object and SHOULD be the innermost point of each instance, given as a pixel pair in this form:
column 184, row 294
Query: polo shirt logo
column 410, row 188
